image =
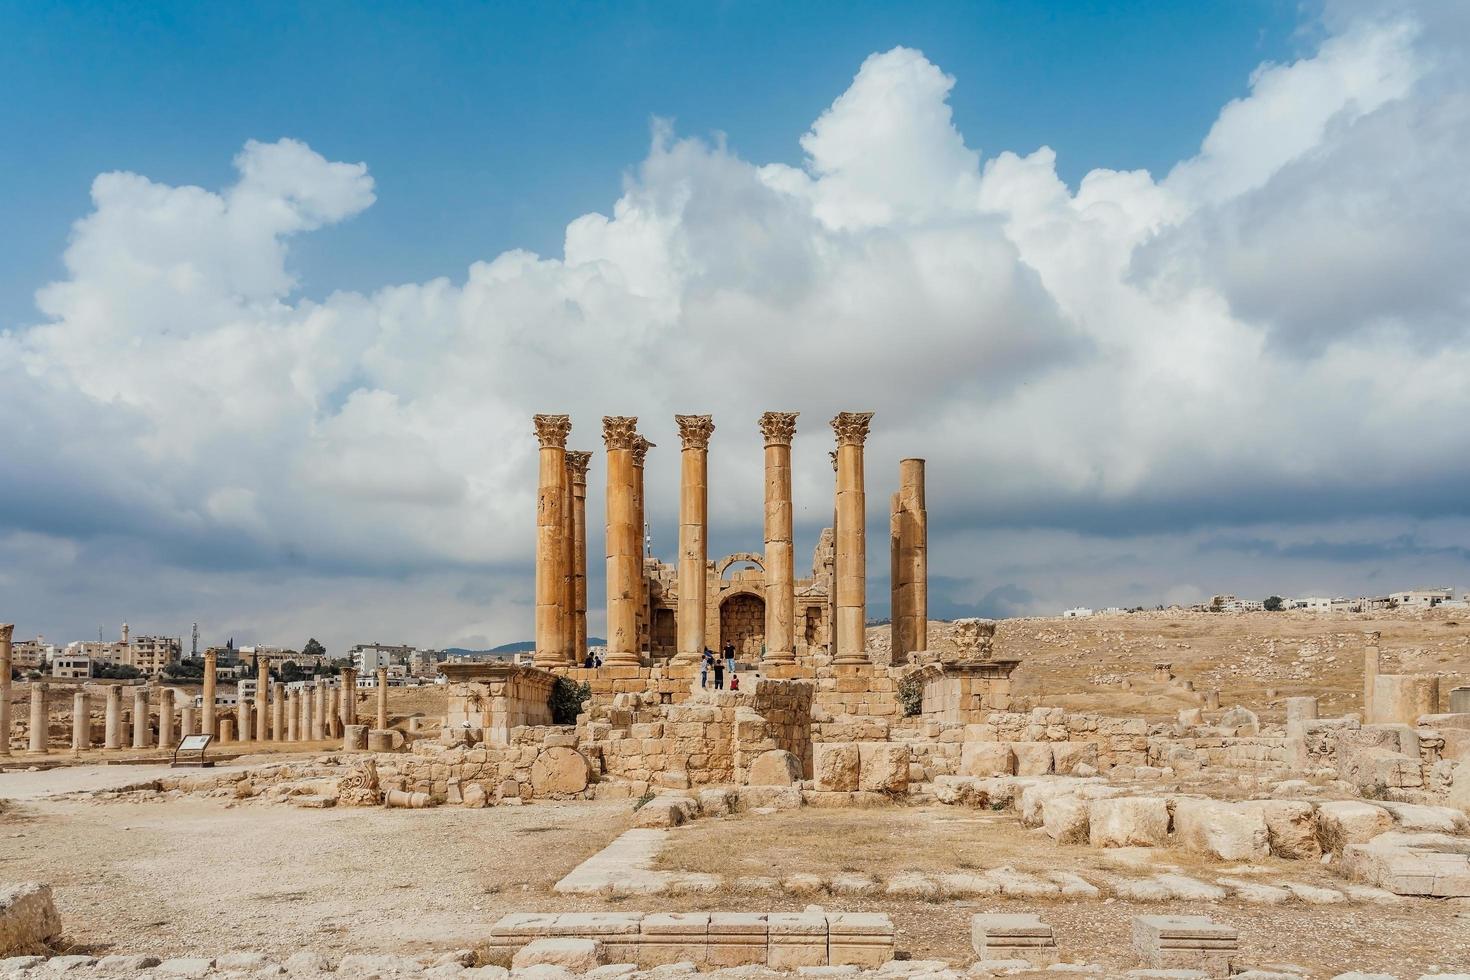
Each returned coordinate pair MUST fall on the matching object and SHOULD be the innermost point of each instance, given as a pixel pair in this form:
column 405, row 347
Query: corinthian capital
column 577, row 461
column 695, row 430
column 641, row 446
column 552, row 430
column 619, row 431
column 5, row 630
column 851, row 427
column 778, row 427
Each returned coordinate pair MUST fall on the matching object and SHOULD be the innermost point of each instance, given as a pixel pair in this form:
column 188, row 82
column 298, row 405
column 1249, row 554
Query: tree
column 1273, row 604
column 313, row 649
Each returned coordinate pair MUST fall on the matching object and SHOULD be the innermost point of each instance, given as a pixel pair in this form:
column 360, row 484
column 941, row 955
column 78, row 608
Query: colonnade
column 561, row 611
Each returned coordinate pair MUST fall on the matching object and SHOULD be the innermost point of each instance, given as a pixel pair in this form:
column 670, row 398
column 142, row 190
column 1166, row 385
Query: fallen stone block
column 883, row 767
column 987, row 759
column 1065, row 819
column 1013, row 937
column 29, row 923
column 1226, row 831
column 835, row 766
column 775, row 768
column 1128, row 821
column 1435, row 865
column 1032, row 758
column 1344, row 822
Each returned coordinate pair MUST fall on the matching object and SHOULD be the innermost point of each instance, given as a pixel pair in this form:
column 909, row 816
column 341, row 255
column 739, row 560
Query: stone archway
column 743, row 623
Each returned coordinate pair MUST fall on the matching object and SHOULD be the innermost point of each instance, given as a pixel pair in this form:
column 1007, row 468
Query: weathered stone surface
column 1065, row 819
column 1436, row 865
column 559, row 771
column 835, row 766
column 29, row 922
column 666, row 811
column 308, row 962
column 1227, row 831
column 1291, row 828
column 576, row 955
column 1344, row 822
column 186, row 966
column 883, row 767
column 987, row 759
column 1434, row 819
column 124, row 963
column 1067, row 756
column 775, row 768
column 1128, row 821
column 1032, row 758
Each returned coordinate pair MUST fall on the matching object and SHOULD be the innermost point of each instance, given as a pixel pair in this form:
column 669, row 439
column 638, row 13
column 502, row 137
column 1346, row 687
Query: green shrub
column 567, row 699
column 911, row 695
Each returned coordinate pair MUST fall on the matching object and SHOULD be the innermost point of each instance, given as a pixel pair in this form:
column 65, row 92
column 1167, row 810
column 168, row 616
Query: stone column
column 243, row 720
column 382, row 699
column 293, row 712
column 624, row 566
column 140, row 718
column 186, row 721
column 349, row 696
column 551, row 494
column 335, row 694
column 778, row 428
column 898, row 617
column 112, row 718
column 6, row 629
column 81, row 722
column 262, row 700
column 644, row 630
column 852, row 548
column 206, row 707
column 319, row 710
column 1370, row 672
column 694, row 431
column 577, row 462
column 166, row 738
column 304, row 725
column 567, row 602
column 38, row 717
column 226, row 730
column 278, row 711
column 910, row 562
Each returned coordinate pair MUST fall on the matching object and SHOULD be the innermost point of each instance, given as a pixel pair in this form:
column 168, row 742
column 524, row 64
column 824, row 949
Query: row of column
column 561, row 540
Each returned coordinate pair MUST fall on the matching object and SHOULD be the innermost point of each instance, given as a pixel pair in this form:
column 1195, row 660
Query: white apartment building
column 71, row 666
column 1421, row 598
column 1077, row 612
column 105, row 652
column 368, row 657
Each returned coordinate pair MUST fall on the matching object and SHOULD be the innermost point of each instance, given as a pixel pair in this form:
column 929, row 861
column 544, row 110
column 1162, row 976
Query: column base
column 853, row 660
column 778, row 658
column 548, row 658
column 622, row 658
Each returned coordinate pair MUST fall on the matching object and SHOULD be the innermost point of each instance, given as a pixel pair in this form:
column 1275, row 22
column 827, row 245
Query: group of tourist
column 719, row 667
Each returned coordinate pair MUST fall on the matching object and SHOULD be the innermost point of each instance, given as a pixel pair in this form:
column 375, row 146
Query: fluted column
column 112, row 718
column 780, row 559
column 141, row 731
column 640, row 522
column 166, row 738
column 551, row 645
column 206, row 707
column 624, row 566
column 852, row 432
column 910, row 543
column 694, row 431
column 382, row 699
column 6, row 629
column 577, row 461
column 278, row 712
column 81, row 722
column 38, row 716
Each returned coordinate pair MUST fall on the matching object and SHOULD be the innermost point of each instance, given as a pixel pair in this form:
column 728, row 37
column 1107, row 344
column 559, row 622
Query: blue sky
column 490, row 126
column 1169, row 295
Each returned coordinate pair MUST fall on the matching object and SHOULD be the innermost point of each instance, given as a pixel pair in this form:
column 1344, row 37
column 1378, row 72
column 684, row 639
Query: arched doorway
column 743, row 623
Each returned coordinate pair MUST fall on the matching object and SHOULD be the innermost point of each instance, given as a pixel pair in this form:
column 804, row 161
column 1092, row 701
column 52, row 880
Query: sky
column 1170, row 296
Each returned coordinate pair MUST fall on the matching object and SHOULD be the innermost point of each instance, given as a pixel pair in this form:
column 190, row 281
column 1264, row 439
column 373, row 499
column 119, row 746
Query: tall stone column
column 293, row 715
column 6, row 629
column 382, row 718
column 694, row 431
column 349, row 696
column 81, row 722
column 1370, row 672
column 898, row 616
column 244, row 721
column 278, row 712
column 577, row 462
column 305, row 723
column 319, row 710
column 567, row 602
column 624, row 551
column 335, row 696
column 38, row 717
column 206, row 707
column 778, row 428
column 640, row 522
column 141, row 733
column 852, row 546
column 909, row 531
column 551, row 496
column 166, row 738
column 112, row 718
column 262, row 700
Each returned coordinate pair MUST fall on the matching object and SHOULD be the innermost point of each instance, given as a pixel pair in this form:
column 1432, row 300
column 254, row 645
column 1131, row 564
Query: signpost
column 195, row 746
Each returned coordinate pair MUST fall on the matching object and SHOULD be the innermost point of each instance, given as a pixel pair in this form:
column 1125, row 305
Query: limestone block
column 797, row 939
column 716, row 802
column 674, row 937
column 775, row 768
column 835, row 766
column 987, row 759
column 475, row 796
column 737, row 939
column 883, row 767
column 1436, row 819
column 1065, row 819
column 1171, row 942
column 1226, row 831
column 1032, row 758
column 1242, row 721
column 559, row 771
column 1013, row 937
column 666, row 811
column 772, row 797
column 1435, row 865
column 862, row 939
column 1344, row 822
column 575, row 955
column 29, row 922
column 1459, row 795
column 1291, row 828
column 1128, row 821
column 1067, row 756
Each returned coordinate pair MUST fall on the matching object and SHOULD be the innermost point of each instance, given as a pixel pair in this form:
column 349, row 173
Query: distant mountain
column 522, row 646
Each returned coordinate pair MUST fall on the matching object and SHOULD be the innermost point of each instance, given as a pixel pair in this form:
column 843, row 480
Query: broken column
column 81, row 722
column 6, row 629
column 187, row 721
column 112, row 715
column 1399, row 699
column 577, row 461
column 166, row 718
column 1370, row 673
column 207, row 716
column 551, row 431
column 852, row 431
column 141, row 733
column 694, row 431
column 382, row 699
column 778, row 429
column 243, row 721
column 38, row 716
column 624, row 562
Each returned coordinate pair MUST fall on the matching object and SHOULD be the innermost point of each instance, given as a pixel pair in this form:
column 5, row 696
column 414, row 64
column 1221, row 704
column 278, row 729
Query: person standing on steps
column 704, row 666
column 719, row 674
column 730, row 657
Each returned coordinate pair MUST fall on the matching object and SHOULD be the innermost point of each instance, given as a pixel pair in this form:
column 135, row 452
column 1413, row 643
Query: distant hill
column 521, row 646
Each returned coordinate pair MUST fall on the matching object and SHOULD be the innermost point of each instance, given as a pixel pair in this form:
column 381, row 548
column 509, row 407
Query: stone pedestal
column 207, row 706
column 551, row 497
column 624, row 548
column 226, row 730
column 38, row 717
column 142, row 735
column 355, row 738
column 851, row 558
column 112, row 726
column 166, row 739
column 778, row 428
column 694, row 433
column 380, row 741
column 1460, row 700
column 6, row 630
column 965, row 693
column 81, row 722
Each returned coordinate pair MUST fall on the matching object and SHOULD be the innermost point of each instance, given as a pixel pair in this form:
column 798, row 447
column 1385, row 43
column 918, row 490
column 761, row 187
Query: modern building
column 28, row 655
column 151, row 654
column 103, row 652
column 368, row 657
column 1077, row 612
column 71, row 666
column 1420, row 598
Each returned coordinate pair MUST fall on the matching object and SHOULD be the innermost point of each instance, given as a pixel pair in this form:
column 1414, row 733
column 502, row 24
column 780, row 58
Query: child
column 734, row 682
